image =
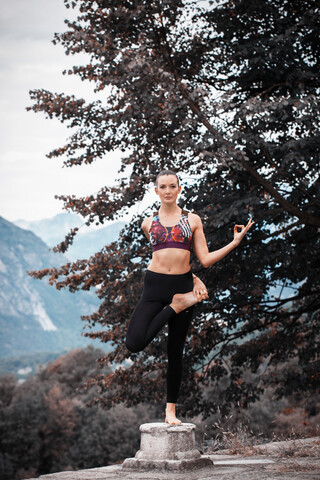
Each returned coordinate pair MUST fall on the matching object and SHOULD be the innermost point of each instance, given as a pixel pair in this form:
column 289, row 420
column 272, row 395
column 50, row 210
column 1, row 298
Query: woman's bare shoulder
column 194, row 219
column 146, row 224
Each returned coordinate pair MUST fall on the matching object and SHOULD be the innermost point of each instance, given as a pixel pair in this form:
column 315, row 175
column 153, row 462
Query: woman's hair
column 166, row 172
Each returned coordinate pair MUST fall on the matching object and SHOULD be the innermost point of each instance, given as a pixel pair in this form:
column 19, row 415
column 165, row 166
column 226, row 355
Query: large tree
column 227, row 93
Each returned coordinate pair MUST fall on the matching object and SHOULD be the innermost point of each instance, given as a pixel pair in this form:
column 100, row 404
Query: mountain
column 34, row 316
column 52, row 230
column 87, row 241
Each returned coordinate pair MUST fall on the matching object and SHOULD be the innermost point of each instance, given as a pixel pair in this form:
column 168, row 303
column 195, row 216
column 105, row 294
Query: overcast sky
column 28, row 60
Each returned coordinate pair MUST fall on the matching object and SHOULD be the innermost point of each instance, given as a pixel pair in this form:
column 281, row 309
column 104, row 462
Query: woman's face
column 168, row 189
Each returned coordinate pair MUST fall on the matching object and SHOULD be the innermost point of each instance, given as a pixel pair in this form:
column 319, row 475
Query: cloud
column 28, row 60
column 36, row 19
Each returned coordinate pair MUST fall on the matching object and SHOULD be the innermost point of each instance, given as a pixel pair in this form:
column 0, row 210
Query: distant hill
column 34, row 316
column 23, row 365
column 52, row 230
column 87, row 241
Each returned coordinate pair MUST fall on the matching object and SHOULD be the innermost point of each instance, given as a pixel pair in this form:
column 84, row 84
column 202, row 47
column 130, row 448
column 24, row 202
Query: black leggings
column 153, row 312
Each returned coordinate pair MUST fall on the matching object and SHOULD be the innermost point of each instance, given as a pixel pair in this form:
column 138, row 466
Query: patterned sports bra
column 178, row 236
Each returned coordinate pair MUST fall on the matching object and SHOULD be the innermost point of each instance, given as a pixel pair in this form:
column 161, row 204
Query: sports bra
column 178, row 236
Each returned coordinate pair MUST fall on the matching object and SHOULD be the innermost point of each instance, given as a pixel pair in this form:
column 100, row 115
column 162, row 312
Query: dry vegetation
column 291, row 434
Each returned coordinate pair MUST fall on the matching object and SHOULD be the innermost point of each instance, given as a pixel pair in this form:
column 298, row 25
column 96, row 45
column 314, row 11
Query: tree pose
column 170, row 289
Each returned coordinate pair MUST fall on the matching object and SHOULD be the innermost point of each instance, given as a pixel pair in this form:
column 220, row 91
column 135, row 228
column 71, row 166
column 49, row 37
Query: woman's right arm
column 145, row 225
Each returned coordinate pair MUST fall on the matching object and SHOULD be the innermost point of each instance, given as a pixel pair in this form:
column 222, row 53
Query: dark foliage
column 46, row 425
column 227, row 94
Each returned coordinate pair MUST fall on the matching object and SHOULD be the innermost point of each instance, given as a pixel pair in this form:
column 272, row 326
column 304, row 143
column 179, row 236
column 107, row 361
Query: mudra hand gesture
column 238, row 236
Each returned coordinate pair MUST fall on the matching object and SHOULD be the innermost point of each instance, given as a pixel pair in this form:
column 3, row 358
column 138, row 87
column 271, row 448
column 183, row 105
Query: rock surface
column 290, row 460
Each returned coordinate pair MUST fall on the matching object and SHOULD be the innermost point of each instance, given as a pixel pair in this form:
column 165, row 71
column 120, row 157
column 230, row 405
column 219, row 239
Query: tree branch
column 289, row 207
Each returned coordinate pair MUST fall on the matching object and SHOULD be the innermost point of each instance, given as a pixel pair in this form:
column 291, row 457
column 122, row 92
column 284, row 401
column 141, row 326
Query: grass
column 230, row 439
column 241, row 440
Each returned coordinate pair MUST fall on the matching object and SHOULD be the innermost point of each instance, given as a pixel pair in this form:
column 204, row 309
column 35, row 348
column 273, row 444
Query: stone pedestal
column 167, row 447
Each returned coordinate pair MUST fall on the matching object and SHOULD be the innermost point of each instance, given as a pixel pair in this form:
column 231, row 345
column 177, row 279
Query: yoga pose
column 170, row 289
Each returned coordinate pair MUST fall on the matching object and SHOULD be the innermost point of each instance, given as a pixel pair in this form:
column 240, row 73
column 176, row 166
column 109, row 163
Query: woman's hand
column 238, row 236
column 199, row 289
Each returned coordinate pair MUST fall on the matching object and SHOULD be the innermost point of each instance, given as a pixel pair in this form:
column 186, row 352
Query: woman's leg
column 164, row 296
column 145, row 322
column 177, row 332
column 152, row 311
column 178, row 329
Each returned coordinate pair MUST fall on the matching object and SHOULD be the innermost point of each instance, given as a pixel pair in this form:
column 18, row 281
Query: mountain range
column 34, row 316
column 87, row 241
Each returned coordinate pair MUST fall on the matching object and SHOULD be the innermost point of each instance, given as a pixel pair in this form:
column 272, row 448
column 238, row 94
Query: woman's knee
column 133, row 346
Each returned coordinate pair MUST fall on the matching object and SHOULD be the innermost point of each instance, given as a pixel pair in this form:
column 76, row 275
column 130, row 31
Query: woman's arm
column 145, row 225
column 207, row 258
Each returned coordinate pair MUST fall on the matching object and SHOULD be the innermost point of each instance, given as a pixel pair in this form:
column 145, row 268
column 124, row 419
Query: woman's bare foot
column 181, row 301
column 171, row 414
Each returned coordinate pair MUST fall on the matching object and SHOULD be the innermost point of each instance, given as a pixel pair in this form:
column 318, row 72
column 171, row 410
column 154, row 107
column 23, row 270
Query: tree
column 228, row 94
column 46, row 426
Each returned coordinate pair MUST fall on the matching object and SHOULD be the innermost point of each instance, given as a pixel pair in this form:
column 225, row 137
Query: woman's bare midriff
column 172, row 261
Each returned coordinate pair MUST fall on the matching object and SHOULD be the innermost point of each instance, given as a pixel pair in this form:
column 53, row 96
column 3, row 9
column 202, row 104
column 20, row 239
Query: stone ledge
column 226, row 467
column 274, row 448
column 166, row 465
column 237, row 462
column 243, row 470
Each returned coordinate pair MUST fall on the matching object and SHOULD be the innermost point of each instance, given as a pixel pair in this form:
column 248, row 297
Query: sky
column 28, row 60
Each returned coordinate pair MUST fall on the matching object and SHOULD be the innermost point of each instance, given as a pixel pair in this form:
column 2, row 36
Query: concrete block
column 167, row 447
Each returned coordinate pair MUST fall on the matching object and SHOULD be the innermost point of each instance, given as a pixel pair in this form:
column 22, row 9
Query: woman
column 170, row 289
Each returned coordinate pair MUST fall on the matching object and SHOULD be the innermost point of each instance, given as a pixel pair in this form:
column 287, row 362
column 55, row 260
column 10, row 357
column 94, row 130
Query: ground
column 289, row 460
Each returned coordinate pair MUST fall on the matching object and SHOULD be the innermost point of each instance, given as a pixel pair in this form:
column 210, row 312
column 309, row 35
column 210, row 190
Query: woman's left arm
column 207, row 258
